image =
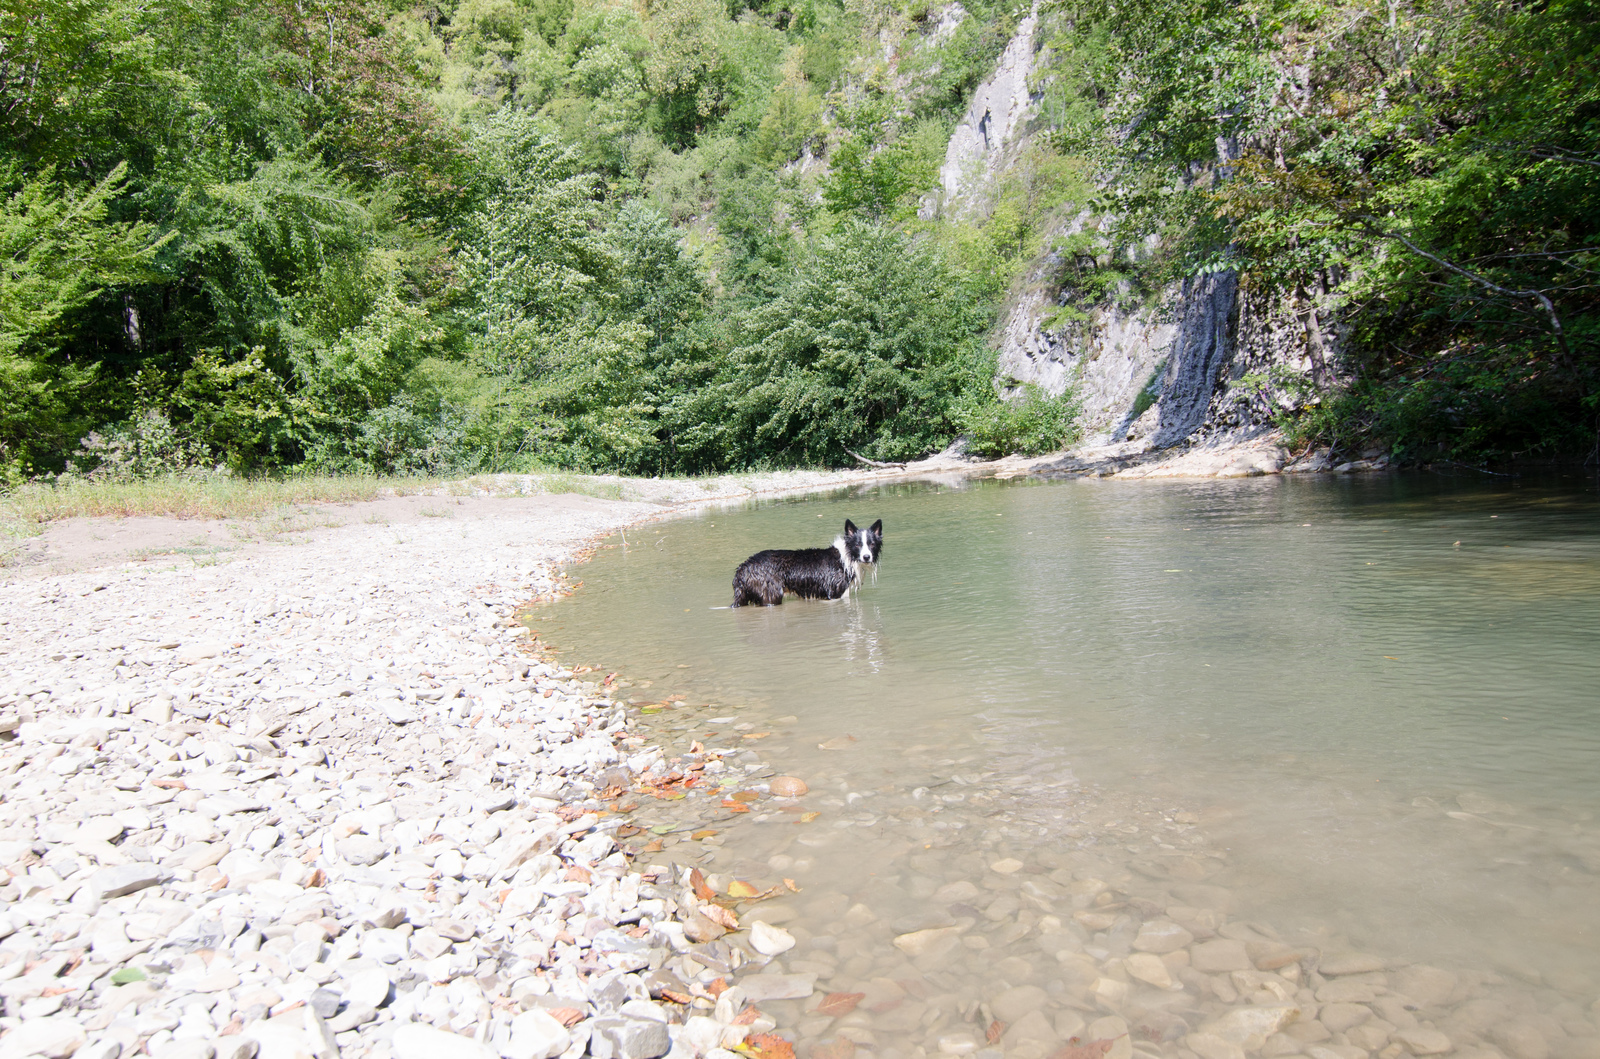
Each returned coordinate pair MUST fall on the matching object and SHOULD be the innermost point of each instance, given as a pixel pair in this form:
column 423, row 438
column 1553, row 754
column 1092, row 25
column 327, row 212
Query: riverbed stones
column 1423, row 1040
column 759, row 987
column 1219, row 955
column 788, row 787
column 1520, row 1040
column 1161, row 936
column 1340, row 963
column 1341, row 1017
column 1426, row 985
column 1149, row 968
column 124, row 879
column 769, row 940
column 1249, row 1027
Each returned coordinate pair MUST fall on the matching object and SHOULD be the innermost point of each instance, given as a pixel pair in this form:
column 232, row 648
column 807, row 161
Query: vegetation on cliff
column 684, row 235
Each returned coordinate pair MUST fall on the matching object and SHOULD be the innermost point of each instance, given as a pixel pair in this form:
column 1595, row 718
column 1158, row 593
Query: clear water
column 1363, row 713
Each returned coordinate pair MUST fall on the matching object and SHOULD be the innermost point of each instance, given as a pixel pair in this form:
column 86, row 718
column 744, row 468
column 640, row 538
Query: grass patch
column 177, row 497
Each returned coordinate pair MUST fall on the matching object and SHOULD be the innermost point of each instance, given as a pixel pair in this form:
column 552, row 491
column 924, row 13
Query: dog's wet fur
column 810, row 573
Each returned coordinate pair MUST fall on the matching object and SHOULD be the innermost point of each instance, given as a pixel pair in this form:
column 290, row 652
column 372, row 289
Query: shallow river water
column 1083, row 730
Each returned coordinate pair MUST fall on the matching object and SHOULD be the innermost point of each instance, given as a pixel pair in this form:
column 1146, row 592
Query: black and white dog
column 810, row 573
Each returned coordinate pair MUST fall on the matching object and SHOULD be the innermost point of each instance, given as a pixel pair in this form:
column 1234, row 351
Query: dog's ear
column 850, row 528
column 877, row 528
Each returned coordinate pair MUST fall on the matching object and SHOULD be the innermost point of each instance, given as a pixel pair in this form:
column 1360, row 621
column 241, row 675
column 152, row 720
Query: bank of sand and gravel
column 316, row 793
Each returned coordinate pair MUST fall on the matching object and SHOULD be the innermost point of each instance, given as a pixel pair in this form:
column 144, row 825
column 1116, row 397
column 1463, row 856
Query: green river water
column 1363, row 712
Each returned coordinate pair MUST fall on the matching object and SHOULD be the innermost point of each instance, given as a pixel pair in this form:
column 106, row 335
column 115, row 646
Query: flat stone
column 1006, row 866
column 398, row 712
column 56, row 1036
column 362, row 849
column 759, row 987
column 1210, row 1046
column 1249, row 1027
column 1220, row 955
column 1350, row 963
column 536, row 1034
column 1520, row 1040
column 919, row 942
column 1268, row 955
column 367, row 988
column 383, row 945
column 416, row 1041
column 325, row 1002
column 1341, row 1017
column 1347, row 991
column 125, row 879
column 1013, row 1003
column 1424, row 1041
column 1162, row 936
column 1031, row 1026
column 769, row 940
column 185, row 1048
column 1428, row 986
column 1148, row 967
column 621, row 1038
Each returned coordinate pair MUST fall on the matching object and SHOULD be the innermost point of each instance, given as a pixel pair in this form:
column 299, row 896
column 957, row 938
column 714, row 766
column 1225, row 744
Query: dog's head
column 864, row 545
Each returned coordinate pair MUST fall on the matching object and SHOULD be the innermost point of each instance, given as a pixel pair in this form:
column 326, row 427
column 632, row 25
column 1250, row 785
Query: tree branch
column 876, row 463
column 1537, row 295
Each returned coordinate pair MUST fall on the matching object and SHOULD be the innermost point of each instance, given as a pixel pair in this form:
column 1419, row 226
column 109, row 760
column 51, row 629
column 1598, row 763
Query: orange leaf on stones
column 836, row 1004
column 740, row 888
column 745, row 796
column 769, row 1046
column 697, row 883
column 788, row 787
column 721, row 916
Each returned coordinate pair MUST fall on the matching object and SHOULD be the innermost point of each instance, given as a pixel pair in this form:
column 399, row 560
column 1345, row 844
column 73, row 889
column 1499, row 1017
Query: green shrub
column 1030, row 424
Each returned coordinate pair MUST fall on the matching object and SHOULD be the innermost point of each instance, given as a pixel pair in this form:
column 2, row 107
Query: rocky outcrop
column 994, row 122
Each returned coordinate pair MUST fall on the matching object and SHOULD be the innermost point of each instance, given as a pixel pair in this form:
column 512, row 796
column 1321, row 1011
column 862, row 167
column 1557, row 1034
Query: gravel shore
column 323, row 798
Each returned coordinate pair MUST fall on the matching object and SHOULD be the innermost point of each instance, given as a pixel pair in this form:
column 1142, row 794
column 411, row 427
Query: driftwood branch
column 876, row 463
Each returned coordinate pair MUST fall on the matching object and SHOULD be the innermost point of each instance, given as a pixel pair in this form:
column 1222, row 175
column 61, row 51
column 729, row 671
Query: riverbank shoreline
column 314, row 793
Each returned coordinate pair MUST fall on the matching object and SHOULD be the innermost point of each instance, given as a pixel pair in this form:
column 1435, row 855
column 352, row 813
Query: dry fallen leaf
column 740, row 888
column 806, row 818
column 836, row 1004
column 568, row 1017
column 718, row 914
column 997, row 1030
column 769, row 1046
column 792, row 887
column 653, row 846
column 676, row 997
column 701, row 835
column 697, row 883
column 734, row 807
column 717, row 986
column 745, row 796
column 746, row 1017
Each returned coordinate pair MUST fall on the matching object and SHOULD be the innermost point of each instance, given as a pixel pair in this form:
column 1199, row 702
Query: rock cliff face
column 1212, row 356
